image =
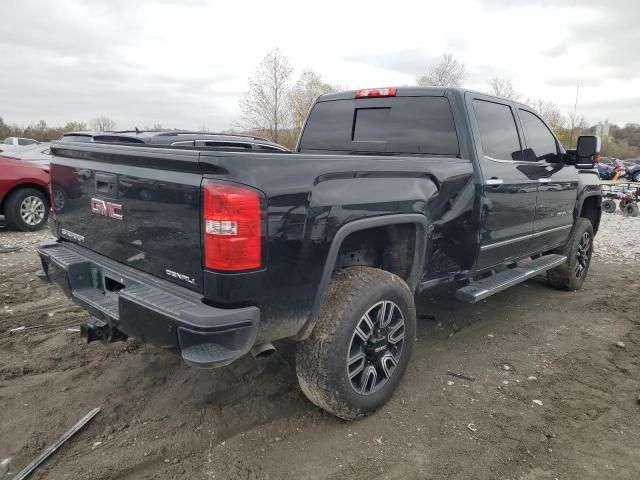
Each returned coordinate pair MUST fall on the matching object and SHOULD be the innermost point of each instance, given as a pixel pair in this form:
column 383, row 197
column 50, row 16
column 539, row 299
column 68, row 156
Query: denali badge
column 72, row 236
column 108, row 209
column 180, row 276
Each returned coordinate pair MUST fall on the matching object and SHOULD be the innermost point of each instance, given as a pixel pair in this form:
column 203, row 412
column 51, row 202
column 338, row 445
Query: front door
column 509, row 195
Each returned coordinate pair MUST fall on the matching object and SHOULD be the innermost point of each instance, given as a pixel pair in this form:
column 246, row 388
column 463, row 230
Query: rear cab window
column 392, row 125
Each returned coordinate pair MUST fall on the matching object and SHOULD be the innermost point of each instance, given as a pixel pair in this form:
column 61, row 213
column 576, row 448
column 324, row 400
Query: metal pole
column 26, row 471
column 573, row 119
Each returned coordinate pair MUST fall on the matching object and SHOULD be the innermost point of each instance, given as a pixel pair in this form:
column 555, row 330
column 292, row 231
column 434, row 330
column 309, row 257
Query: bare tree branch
column 103, row 124
column 501, row 87
column 264, row 106
column 448, row 73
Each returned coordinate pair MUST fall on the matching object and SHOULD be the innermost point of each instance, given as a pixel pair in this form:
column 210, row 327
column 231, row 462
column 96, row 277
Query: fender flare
column 362, row 224
column 587, row 194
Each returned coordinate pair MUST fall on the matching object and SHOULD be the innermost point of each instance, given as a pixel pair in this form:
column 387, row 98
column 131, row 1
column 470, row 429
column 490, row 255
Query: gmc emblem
column 107, row 209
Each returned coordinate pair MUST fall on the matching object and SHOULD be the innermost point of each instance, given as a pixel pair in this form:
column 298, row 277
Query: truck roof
column 408, row 91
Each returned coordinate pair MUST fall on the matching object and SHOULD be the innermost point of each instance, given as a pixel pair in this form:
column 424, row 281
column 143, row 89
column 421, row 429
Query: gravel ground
column 618, row 239
column 554, row 395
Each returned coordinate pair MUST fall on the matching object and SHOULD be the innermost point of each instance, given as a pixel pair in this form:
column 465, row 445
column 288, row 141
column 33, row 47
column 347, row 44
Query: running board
column 481, row 289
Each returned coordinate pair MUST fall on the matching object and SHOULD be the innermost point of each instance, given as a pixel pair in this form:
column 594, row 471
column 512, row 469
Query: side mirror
column 587, row 151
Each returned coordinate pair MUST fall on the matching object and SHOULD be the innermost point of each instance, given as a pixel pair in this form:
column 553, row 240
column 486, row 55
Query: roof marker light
column 376, row 92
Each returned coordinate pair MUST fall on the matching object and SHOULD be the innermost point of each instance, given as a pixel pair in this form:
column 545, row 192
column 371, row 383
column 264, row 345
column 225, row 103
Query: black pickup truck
column 390, row 192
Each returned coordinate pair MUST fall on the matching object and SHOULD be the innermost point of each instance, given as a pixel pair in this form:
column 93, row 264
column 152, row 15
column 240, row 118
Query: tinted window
column 268, row 148
column 541, row 145
column 24, row 141
column 410, row 125
column 77, row 138
column 498, row 133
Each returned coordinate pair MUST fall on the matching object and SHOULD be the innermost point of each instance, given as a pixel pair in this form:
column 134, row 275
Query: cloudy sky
column 185, row 63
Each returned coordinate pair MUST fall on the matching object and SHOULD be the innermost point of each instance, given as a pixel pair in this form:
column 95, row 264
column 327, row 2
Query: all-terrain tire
column 27, row 210
column 322, row 360
column 609, row 206
column 631, row 209
column 571, row 275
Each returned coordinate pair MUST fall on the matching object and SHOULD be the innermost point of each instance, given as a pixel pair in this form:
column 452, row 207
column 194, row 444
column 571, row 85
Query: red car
column 24, row 194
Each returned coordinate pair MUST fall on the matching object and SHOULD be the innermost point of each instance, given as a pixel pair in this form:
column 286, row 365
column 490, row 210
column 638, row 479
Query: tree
column 308, row 87
column 103, row 124
column 549, row 112
column 264, row 105
column 448, row 73
column 501, row 87
column 74, row 127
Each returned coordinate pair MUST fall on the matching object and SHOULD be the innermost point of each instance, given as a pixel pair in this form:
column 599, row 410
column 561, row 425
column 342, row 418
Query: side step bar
column 481, row 289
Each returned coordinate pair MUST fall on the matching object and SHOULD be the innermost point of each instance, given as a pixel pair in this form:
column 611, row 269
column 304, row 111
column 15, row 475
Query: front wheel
column 359, row 350
column 636, row 176
column 578, row 250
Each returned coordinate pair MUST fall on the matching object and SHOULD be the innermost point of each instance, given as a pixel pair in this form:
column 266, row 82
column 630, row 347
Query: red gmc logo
column 107, row 209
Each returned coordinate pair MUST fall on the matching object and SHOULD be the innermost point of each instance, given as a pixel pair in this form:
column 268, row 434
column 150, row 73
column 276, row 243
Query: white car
column 18, row 141
column 39, row 153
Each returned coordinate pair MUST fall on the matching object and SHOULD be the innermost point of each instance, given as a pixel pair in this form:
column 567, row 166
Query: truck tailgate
column 137, row 206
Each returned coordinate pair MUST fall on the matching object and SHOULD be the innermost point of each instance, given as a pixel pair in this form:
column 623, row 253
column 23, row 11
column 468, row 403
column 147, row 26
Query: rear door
column 136, row 205
column 509, row 193
column 558, row 183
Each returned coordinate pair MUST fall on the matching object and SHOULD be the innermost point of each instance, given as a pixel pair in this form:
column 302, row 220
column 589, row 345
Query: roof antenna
column 137, row 131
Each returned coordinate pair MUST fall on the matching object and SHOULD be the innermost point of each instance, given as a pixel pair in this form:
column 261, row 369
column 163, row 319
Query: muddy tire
column 360, row 348
column 609, row 206
column 631, row 209
column 578, row 250
column 27, row 210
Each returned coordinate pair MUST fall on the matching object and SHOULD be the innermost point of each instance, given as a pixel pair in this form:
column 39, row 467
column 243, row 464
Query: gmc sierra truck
column 389, row 192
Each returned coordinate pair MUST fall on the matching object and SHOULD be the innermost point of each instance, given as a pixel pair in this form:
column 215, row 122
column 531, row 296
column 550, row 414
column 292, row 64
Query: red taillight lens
column 232, row 227
column 376, row 92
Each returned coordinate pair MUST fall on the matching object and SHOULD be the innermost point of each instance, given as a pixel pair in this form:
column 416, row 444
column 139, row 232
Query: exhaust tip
column 262, row 351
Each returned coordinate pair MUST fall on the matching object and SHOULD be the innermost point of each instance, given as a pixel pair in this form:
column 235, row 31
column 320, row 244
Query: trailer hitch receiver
column 96, row 329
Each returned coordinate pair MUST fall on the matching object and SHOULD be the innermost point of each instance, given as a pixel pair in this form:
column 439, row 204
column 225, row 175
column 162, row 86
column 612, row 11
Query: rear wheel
column 27, row 210
column 571, row 275
column 609, row 206
column 636, row 176
column 359, row 350
column 631, row 209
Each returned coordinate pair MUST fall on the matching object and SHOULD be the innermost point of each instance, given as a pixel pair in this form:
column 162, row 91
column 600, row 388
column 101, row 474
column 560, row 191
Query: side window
column 498, row 132
column 268, row 148
column 541, row 144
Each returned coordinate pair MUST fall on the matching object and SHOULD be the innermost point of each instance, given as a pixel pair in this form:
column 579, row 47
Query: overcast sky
column 185, row 64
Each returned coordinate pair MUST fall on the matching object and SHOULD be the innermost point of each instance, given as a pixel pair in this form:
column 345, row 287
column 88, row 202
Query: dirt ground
column 555, row 394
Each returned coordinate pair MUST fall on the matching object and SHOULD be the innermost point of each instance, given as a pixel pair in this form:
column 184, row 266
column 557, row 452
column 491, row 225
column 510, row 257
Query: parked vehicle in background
column 24, row 194
column 39, row 153
column 632, row 170
column 610, row 168
column 19, row 141
column 390, row 192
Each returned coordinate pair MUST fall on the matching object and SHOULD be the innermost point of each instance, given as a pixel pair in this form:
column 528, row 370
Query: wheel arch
column 591, row 209
column 420, row 223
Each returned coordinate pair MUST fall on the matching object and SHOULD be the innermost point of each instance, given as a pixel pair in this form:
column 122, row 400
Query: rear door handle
column 494, row 182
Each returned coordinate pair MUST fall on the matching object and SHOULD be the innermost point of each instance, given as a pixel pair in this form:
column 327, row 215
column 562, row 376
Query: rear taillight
column 232, row 227
column 376, row 92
